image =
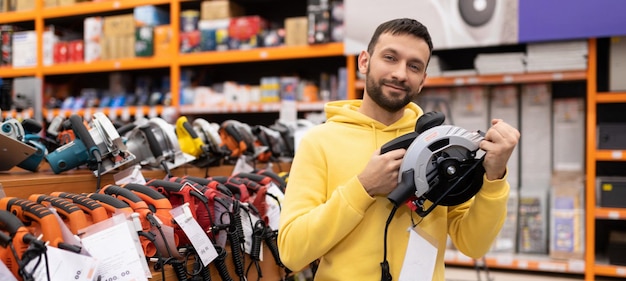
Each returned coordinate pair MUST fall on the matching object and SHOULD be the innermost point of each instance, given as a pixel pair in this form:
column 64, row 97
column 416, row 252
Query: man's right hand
column 380, row 175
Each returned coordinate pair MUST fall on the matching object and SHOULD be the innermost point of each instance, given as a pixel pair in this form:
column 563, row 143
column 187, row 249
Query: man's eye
column 414, row 67
column 389, row 58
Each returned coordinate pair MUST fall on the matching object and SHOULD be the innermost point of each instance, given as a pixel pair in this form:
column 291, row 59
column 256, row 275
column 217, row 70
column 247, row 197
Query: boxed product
column 75, row 50
column 469, row 108
column 189, row 20
column 24, row 5
column 92, row 35
column 119, row 25
column 144, row 41
column 611, row 191
column 163, row 44
column 506, row 239
column 536, row 140
column 533, row 221
column 243, row 32
column 190, row 41
column 150, row 15
column 567, row 215
column 24, row 48
column 214, row 34
column 437, row 99
column 6, row 44
column 318, row 12
column 60, row 52
column 569, row 134
column 220, row 9
column 337, row 21
column 617, row 247
column 296, row 31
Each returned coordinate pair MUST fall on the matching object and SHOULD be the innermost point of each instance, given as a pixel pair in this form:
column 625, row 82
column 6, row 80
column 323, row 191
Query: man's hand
column 499, row 143
column 380, row 175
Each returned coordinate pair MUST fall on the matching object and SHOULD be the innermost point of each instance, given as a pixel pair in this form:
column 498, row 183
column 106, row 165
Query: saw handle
column 403, row 141
column 166, row 185
column 9, row 222
column 404, row 190
column 155, row 148
column 429, row 120
column 82, row 133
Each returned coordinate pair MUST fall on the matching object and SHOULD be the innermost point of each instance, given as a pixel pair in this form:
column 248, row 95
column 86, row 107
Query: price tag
column 248, row 221
column 616, row 154
column 199, row 239
column 126, row 114
column 88, row 114
column 274, row 199
column 153, row 112
column 63, row 265
column 119, row 263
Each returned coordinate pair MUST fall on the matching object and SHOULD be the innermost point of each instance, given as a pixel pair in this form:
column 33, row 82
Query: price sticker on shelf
column 616, row 154
column 125, row 114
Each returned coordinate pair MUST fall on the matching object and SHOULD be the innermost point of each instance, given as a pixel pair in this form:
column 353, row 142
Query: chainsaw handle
column 153, row 143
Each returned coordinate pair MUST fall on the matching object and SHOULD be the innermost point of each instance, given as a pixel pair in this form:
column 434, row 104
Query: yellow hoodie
column 327, row 214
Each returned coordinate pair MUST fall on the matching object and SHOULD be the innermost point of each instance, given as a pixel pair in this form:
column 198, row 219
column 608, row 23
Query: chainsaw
column 441, row 164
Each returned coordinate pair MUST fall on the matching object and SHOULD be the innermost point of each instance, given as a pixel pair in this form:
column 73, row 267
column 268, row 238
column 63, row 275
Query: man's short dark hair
column 401, row 26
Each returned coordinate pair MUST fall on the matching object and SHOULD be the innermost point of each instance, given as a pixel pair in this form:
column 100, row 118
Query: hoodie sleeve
column 313, row 221
column 474, row 225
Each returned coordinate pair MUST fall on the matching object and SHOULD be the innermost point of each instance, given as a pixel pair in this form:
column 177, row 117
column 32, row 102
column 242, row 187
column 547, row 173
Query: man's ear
column 363, row 62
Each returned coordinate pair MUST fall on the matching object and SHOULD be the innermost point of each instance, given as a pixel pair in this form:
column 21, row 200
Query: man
column 336, row 207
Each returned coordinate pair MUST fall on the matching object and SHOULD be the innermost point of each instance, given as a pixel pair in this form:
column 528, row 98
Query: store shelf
column 499, row 79
column 262, row 54
column 610, row 270
column 19, row 16
column 85, row 8
column 611, row 155
column 11, row 72
column 518, row 262
column 248, row 108
column 108, row 65
column 127, row 111
column 610, row 213
column 610, row 97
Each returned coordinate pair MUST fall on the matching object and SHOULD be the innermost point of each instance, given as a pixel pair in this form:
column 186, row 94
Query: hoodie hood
column 346, row 111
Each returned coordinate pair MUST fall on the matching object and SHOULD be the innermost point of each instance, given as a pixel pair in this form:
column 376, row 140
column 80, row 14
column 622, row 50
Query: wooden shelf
column 85, row 8
column 499, row 79
column 541, row 263
column 248, row 108
column 262, row 54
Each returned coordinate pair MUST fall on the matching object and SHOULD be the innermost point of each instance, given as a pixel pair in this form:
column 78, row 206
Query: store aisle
column 469, row 274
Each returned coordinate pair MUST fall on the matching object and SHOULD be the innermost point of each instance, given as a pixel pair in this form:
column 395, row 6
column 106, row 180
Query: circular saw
column 442, row 164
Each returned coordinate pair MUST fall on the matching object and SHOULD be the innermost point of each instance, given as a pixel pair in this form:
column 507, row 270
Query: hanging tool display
column 100, row 147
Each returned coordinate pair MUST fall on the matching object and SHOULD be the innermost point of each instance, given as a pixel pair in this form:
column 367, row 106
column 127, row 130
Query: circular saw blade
column 429, row 149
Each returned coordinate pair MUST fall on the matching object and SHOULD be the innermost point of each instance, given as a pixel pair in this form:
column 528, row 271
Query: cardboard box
column 76, row 51
column 214, row 34
column 220, row 9
column 318, row 12
column 50, row 3
column 568, row 134
column 150, row 15
column 567, row 215
column 120, row 25
column 163, row 44
column 60, row 52
column 190, row 41
column 24, row 49
column 296, row 31
column 536, row 141
column 611, row 191
column 25, row 5
column 533, row 222
column 144, row 41
column 243, row 32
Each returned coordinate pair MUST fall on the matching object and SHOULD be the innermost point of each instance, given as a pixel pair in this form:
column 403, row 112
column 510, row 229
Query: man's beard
column 375, row 92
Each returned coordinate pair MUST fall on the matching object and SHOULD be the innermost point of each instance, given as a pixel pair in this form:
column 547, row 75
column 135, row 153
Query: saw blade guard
column 425, row 154
column 166, row 133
